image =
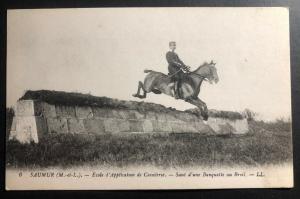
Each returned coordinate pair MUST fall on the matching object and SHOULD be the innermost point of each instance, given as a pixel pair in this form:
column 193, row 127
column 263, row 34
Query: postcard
column 148, row 98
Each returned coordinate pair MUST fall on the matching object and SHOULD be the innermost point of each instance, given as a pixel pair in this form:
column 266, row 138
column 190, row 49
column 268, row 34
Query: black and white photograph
column 148, row 98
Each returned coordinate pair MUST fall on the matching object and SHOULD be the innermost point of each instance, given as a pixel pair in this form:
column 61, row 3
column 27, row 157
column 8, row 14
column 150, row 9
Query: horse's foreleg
column 201, row 105
column 204, row 110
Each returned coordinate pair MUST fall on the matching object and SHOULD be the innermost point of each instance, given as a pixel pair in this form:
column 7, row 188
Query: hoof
column 134, row 95
column 204, row 117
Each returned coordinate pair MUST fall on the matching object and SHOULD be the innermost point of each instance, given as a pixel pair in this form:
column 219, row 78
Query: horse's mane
column 204, row 64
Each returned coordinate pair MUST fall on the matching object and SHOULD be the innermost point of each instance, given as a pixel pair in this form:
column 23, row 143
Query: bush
column 250, row 115
column 278, row 126
column 9, row 118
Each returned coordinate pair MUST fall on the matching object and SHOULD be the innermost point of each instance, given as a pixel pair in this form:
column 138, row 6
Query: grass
column 266, row 143
column 231, row 115
column 259, row 147
column 79, row 99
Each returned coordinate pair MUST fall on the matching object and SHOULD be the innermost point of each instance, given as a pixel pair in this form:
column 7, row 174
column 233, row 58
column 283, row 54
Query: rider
column 176, row 67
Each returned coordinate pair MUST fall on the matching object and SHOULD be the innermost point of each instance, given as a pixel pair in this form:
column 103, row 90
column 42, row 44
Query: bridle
column 204, row 78
column 197, row 75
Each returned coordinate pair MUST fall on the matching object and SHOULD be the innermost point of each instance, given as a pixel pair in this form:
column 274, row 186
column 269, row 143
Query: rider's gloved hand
column 187, row 68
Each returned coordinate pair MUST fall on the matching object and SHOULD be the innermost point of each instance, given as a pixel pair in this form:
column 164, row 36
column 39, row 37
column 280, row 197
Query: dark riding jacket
column 174, row 64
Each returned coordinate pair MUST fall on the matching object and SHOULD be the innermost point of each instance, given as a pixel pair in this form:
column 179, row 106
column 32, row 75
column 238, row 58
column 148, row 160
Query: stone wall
column 34, row 118
column 226, row 126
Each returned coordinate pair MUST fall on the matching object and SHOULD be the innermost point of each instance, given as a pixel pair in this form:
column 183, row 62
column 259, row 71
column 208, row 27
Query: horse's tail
column 147, row 71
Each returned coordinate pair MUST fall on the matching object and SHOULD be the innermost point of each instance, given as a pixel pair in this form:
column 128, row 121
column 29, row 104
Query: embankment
column 43, row 112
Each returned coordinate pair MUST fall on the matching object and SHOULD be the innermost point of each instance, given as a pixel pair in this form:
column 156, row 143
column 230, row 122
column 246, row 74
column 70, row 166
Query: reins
column 197, row 75
column 169, row 76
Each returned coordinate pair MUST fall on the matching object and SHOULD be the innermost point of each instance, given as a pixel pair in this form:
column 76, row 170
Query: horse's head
column 213, row 77
column 209, row 71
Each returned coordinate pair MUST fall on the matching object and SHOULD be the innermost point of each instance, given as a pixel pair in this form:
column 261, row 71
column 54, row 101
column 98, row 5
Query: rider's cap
column 172, row 43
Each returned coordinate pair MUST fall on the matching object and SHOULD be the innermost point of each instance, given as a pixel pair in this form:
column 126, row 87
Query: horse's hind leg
column 138, row 91
column 140, row 86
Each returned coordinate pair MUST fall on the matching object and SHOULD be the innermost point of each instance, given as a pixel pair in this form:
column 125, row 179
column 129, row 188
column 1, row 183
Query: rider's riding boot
column 176, row 94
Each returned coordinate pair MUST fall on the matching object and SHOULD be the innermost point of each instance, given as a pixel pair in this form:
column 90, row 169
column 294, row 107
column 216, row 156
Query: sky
column 104, row 51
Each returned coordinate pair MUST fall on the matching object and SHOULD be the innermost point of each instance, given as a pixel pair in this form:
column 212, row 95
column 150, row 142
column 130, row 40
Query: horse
column 189, row 89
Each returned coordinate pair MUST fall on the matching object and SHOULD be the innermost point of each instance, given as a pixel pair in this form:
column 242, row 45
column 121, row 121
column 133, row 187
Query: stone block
column 178, row 127
column 95, row 126
column 137, row 115
column 218, row 125
column 65, row 111
column 83, row 112
column 171, row 117
column 126, row 114
column 136, row 126
column 240, row 126
column 12, row 130
column 198, row 120
column 26, row 129
column 214, row 123
column 12, row 134
column 114, row 114
column 159, row 126
column 192, row 117
column 111, row 125
column 226, row 126
column 121, row 114
column 25, row 108
column 41, row 126
column 103, row 112
column 13, row 124
column 186, row 117
column 115, row 125
column 226, row 129
column 190, row 128
column 44, row 109
column 204, row 128
column 151, row 115
column 76, row 125
column 98, row 112
column 147, row 126
column 161, row 117
column 57, row 125
column 124, row 125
